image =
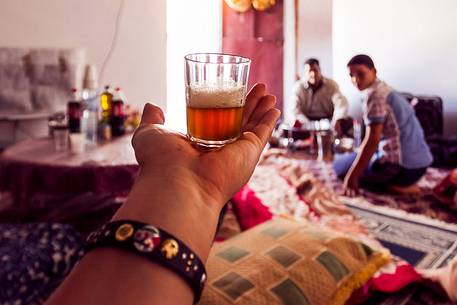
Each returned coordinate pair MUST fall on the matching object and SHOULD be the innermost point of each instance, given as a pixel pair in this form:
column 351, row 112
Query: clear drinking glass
column 216, row 86
column 60, row 134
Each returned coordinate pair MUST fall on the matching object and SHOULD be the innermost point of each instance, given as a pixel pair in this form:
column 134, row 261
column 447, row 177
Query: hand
column 218, row 174
column 351, row 185
column 180, row 189
column 180, row 184
column 338, row 128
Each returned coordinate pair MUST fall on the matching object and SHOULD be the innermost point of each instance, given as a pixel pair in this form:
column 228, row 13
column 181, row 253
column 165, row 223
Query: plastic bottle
column 90, row 115
column 89, row 121
column 117, row 118
column 74, row 112
column 106, row 104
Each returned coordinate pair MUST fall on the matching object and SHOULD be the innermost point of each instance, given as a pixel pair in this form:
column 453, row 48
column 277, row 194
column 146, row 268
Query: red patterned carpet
column 424, row 203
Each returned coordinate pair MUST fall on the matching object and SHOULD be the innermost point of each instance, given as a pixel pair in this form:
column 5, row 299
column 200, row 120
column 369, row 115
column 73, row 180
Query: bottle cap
column 74, row 94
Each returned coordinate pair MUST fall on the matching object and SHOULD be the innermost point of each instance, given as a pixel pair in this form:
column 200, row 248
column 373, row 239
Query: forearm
column 367, row 149
column 341, row 107
column 121, row 276
column 297, row 99
column 297, row 110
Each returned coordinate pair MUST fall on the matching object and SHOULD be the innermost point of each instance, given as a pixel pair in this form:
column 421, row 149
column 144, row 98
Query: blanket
column 282, row 185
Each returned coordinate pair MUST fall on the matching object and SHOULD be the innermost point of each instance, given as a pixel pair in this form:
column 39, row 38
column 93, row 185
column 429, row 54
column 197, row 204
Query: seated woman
column 393, row 154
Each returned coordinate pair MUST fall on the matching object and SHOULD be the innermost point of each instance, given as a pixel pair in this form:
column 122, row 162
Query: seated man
column 317, row 97
column 393, row 153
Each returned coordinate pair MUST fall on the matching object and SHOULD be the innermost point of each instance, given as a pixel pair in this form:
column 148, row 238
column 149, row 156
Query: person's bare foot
column 407, row 190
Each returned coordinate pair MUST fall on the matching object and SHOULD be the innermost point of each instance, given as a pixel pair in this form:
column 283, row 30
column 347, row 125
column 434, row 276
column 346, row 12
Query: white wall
column 289, row 59
column 314, row 39
column 192, row 26
column 315, row 33
column 413, row 44
column 138, row 63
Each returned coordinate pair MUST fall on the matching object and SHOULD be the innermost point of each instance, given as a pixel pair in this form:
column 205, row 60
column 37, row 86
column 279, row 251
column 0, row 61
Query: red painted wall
column 259, row 36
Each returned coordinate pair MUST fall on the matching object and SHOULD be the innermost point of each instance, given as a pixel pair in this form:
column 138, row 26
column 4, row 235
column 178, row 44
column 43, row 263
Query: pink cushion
column 249, row 209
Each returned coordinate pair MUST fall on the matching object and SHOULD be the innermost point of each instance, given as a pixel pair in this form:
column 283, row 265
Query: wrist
column 174, row 203
column 180, row 181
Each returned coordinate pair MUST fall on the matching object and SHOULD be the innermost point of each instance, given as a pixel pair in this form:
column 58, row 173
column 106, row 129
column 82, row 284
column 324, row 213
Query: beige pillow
column 286, row 262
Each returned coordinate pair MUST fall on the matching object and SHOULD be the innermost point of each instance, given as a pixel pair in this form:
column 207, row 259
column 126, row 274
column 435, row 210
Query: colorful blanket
column 282, row 185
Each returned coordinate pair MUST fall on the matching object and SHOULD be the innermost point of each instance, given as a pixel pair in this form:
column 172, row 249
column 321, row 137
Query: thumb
column 152, row 114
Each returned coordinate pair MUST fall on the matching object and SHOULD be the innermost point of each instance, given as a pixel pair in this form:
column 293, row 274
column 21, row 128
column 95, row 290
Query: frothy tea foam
column 208, row 96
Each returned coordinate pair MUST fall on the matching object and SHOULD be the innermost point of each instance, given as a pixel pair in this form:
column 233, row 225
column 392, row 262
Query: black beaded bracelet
column 155, row 244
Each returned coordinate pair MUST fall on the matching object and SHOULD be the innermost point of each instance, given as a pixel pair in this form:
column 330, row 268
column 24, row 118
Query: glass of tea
column 216, row 86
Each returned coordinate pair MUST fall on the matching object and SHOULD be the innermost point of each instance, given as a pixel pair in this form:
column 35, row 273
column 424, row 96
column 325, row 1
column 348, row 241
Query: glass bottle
column 106, row 103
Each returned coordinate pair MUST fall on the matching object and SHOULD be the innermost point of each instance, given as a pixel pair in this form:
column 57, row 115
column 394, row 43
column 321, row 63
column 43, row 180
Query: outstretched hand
column 181, row 189
column 218, row 174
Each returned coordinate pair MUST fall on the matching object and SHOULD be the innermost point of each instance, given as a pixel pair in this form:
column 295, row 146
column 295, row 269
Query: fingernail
column 278, row 112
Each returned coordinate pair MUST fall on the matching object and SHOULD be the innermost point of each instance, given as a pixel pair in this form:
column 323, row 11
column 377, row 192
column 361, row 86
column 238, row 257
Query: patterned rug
column 424, row 203
column 423, row 242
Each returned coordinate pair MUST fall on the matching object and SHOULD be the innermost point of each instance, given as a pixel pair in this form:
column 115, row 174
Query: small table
column 319, row 131
column 31, row 169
